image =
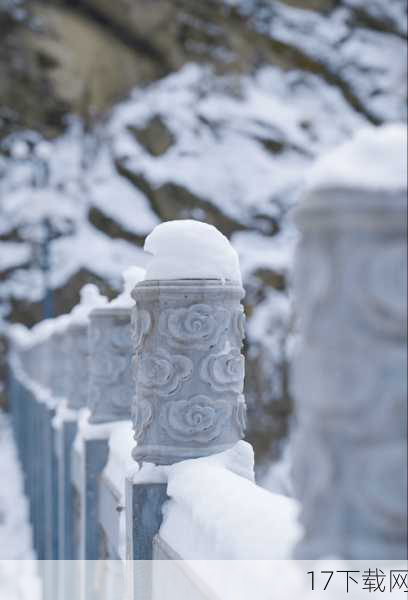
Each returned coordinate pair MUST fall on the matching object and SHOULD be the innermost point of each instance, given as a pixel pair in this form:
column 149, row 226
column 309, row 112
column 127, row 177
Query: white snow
column 256, row 251
column 375, row 158
column 120, row 462
column 118, row 199
column 90, row 298
column 19, row 335
column 217, row 512
column 13, row 254
column 131, row 277
column 218, row 125
column 43, row 330
column 278, row 477
column 18, row 574
column 63, row 414
column 91, row 431
column 191, row 250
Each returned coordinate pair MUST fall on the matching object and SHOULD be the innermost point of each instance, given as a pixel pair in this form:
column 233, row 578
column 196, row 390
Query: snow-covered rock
column 191, row 250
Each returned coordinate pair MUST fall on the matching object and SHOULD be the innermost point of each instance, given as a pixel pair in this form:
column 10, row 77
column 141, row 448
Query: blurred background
column 115, row 116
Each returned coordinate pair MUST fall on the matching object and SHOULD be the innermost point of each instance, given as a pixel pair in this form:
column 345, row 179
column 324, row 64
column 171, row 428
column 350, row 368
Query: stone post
column 108, row 402
column 78, row 346
column 70, row 384
column 110, row 385
column 188, row 402
column 350, row 374
column 189, row 370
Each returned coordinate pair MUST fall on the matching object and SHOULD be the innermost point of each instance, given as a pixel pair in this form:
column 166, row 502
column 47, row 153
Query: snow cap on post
column 359, row 185
column 90, row 298
column 187, row 333
column 131, row 277
column 375, row 158
column 191, row 250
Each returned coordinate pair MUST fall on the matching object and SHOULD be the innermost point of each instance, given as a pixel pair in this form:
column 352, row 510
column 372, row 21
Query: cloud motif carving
column 199, row 326
column 238, row 325
column 142, row 416
column 163, row 372
column 199, row 419
column 224, row 372
column 141, row 324
column 121, row 338
column 241, row 415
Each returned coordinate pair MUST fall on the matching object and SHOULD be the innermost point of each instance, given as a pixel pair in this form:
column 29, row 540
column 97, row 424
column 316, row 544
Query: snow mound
column 189, row 249
column 375, row 158
column 223, row 514
column 90, row 298
column 131, row 277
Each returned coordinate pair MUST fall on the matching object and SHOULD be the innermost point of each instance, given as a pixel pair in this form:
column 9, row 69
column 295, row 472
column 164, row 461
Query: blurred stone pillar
column 110, row 386
column 108, row 401
column 70, row 384
column 350, row 374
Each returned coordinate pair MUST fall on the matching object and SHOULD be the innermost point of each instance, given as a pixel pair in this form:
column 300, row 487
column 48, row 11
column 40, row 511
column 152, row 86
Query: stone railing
column 158, row 374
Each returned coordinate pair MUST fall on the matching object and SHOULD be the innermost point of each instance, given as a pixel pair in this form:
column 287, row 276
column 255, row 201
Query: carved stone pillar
column 78, row 346
column 189, row 371
column 110, row 365
column 108, row 401
column 110, row 386
column 350, row 374
column 60, row 357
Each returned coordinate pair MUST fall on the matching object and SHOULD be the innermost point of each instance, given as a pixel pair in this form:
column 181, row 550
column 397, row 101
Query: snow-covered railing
column 129, row 415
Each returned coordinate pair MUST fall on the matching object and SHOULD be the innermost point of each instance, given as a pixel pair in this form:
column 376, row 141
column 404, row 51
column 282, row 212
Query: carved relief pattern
column 141, row 324
column 224, row 371
column 382, row 290
column 188, row 372
column 142, row 416
column 199, row 419
column 121, row 338
column 162, row 371
column 199, row 326
column 241, row 415
column 110, row 369
column 79, row 367
column 350, row 388
column 238, row 325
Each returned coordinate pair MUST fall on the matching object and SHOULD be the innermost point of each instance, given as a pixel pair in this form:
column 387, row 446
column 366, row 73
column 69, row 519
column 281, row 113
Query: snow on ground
column 18, row 577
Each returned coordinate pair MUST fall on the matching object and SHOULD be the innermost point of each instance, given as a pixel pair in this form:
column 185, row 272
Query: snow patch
column 191, row 250
column 375, row 158
column 90, row 298
column 217, row 512
column 131, row 277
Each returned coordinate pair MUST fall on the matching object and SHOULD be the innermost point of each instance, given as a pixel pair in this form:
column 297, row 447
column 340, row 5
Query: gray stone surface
column 110, row 388
column 350, row 375
column 79, row 365
column 189, row 371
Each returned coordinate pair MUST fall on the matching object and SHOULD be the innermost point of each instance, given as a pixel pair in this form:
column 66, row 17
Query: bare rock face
column 80, row 57
column 155, row 136
column 60, row 61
